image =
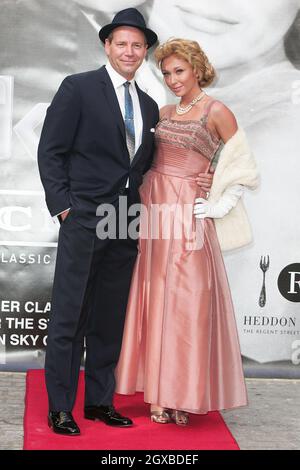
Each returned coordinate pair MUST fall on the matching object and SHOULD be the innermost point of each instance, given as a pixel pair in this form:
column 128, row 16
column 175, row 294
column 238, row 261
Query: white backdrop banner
column 255, row 47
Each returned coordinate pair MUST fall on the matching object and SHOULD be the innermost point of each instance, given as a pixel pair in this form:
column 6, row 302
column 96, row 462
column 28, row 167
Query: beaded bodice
column 189, row 135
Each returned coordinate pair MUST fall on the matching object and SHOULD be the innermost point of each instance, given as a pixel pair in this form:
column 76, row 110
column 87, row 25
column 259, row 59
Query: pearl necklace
column 180, row 110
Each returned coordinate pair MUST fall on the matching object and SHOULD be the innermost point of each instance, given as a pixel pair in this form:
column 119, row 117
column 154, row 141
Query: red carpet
column 208, row 432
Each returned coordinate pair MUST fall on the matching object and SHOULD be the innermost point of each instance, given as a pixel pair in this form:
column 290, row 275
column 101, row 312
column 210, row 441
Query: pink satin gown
column 180, row 344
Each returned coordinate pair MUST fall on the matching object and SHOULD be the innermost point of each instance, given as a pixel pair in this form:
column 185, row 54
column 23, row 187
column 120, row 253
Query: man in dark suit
column 95, row 146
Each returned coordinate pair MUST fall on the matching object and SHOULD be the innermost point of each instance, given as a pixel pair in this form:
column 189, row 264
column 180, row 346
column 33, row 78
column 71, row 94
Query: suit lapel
column 146, row 125
column 112, row 101
column 145, row 114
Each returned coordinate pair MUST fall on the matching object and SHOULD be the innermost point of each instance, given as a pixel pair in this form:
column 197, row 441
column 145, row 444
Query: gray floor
column 272, row 420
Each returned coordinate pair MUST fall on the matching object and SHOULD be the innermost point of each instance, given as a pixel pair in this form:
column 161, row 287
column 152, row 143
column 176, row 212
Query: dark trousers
column 90, row 293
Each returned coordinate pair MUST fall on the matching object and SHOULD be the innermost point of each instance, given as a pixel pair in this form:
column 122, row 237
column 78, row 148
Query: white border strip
column 16, row 243
column 15, row 192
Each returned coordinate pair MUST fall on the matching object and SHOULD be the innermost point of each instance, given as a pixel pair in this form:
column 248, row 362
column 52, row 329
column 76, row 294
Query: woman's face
column 110, row 6
column 179, row 76
column 231, row 32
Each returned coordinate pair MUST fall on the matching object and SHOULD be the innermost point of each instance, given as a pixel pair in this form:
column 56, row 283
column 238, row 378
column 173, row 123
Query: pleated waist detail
column 179, row 162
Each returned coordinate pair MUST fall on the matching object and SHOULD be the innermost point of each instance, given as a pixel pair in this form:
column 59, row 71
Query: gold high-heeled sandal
column 161, row 417
column 181, row 418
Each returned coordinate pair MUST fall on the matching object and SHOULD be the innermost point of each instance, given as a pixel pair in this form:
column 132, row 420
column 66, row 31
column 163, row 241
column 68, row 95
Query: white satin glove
column 227, row 201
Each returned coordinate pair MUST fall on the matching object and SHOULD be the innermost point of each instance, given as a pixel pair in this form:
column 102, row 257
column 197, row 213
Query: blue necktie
column 129, row 122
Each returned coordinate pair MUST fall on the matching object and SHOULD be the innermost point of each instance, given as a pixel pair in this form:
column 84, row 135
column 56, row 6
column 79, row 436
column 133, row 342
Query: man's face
column 126, row 51
column 110, row 6
column 231, row 32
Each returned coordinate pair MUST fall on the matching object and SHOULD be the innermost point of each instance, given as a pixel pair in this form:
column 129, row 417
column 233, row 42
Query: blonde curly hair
column 192, row 53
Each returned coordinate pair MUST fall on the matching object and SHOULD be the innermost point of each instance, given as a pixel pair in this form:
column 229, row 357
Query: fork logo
column 289, row 282
column 264, row 266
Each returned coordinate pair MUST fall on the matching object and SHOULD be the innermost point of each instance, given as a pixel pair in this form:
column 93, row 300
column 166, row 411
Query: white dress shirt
column 118, row 82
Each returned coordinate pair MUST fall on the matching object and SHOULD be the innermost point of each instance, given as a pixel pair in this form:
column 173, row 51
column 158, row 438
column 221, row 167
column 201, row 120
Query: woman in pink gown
column 180, row 344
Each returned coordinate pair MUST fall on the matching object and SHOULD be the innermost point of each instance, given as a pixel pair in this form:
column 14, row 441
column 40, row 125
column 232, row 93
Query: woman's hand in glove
column 227, row 201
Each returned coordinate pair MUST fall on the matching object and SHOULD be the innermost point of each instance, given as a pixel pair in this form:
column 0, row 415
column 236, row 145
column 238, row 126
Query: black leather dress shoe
column 108, row 415
column 62, row 422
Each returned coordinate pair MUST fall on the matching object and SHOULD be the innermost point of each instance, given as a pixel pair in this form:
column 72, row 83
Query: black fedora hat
column 129, row 17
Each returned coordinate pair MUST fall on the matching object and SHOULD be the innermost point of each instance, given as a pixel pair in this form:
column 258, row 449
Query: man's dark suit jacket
column 83, row 157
